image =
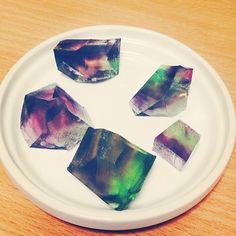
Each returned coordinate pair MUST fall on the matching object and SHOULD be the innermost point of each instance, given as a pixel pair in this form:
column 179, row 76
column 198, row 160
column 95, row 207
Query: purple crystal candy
column 176, row 144
column 165, row 93
column 88, row 60
column 51, row 119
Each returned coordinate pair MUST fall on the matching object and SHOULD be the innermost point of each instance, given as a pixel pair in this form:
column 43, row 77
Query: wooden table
column 209, row 27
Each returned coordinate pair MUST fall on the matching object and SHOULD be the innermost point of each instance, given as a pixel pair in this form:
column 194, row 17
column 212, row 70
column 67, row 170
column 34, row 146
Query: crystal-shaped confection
column 176, row 144
column 88, row 60
column 165, row 93
column 111, row 166
column 50, row 118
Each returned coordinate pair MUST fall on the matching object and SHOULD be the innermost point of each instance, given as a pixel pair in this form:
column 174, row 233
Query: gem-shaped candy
column 164, row 94
column 176, row 144
column 88, row 60
column 50, row 118
column 111, row 166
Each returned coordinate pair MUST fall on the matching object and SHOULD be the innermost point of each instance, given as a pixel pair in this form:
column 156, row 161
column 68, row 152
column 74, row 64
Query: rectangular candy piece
column 165, row 93
column 176, row 144
column 111, row 167
column 51, row 118
column 88, row 60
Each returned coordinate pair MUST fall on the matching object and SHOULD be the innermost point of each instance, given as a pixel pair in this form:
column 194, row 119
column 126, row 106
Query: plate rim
column 53, row 207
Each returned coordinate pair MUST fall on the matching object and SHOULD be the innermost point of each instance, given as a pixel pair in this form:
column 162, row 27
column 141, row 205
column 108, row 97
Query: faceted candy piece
column 88, row 60
column 176, row 144
column 111, row 166
column 50, row 118
column 165, row 93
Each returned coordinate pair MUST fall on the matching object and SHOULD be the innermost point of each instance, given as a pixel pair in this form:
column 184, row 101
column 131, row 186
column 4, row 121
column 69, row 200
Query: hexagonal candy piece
column 111, row 166
column 50, row 118
column 176, row 144
column 88, row 60
column 165, row 93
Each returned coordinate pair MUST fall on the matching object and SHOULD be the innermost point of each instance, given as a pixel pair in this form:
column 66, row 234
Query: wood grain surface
column 209, row 27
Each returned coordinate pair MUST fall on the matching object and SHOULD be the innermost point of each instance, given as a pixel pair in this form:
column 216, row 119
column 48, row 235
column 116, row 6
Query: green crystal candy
column 165, row 93
column 111, row 167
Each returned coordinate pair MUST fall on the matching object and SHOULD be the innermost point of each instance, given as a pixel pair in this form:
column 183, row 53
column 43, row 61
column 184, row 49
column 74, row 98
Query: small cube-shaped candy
column 176, row 144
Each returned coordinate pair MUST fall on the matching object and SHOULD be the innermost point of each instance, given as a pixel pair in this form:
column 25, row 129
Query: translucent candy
column 165, row 93
column 176, row 144
column 111, row 167
column 50, row 118
column 88, row 60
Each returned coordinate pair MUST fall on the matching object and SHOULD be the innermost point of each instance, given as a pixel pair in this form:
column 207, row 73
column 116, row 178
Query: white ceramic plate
column 166, row 193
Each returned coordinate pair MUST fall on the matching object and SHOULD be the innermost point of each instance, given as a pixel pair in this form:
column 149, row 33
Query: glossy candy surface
column 165, row 93
column 111, row 167
column 88, row 60
column 176, row 144
column 50, row 118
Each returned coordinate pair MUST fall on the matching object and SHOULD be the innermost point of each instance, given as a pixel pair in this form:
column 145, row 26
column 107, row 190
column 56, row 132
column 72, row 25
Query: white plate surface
column 166, row 193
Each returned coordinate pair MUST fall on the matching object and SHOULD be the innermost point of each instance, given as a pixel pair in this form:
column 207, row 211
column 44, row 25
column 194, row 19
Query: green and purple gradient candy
column 165, row 93
column 111, row 167
column 176, row 144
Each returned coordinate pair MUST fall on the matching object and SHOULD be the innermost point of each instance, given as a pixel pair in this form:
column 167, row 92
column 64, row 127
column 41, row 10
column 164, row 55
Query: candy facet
column 50, row 118
column 111, row 166
column 164, row 94
column 176, row 144
column 88, row 60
